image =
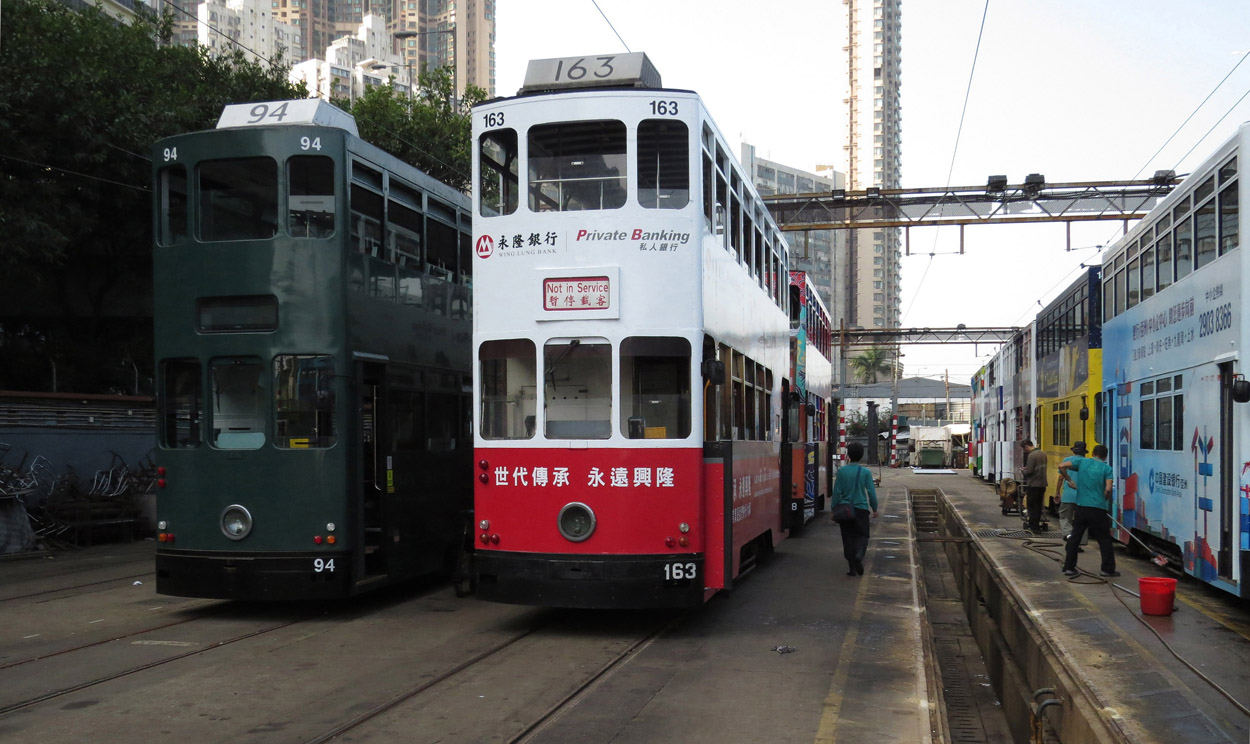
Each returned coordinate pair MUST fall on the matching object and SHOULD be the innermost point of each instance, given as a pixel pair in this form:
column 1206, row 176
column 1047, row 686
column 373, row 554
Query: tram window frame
column 1206, row 234
column 1165, row 271
column 248, row 407
column 181, row 404
column 238, row 314
column 1146, row 417
column 1060, row 424
column 646, row 363
column 559, row 149
column 292, row 405
column 442, row 247
column 311, row 196
column 499, row 173
column 237, row 199
column 368, row 215
column 1183, row 245
column 173, row 208
column 709, row 194
column 508, row 389
column 1230, row 217
column 583, row 409
column 1147, row 271
column 1120, row 291
column 1134, row 283
column 667, row 185
column 1165, row 397
column 737, row 376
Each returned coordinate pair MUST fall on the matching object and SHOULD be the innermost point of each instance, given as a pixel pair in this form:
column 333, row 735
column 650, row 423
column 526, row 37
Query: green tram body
column 317, row 377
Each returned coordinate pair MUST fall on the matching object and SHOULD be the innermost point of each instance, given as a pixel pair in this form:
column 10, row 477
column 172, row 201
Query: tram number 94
column 679, row 571
column 320, row 565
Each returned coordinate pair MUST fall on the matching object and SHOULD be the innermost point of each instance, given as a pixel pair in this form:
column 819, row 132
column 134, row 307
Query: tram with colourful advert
column 811, row 369
column 631, row 336
column 1069, row 372
column 312, row 336
column 1174, row 389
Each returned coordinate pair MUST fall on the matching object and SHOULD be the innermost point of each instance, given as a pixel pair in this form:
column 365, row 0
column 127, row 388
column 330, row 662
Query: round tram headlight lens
column 236, row 522
column 576, row 522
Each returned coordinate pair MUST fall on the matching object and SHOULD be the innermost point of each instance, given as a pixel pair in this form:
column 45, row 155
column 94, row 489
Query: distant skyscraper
column 820, row 253
column 874, row 152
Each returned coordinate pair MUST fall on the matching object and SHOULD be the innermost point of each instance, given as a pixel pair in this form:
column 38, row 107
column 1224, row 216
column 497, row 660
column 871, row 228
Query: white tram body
column 631, row 345
column 1173, row 335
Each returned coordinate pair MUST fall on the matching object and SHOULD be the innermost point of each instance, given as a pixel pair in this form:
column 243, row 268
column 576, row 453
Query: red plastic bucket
column 1157, row 595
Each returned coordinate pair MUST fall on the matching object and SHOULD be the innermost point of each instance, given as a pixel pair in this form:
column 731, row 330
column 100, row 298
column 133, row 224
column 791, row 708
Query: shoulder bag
column 844, row 512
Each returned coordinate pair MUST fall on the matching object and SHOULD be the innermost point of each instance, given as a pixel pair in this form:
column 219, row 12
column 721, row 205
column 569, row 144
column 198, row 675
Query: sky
column 1077, row 90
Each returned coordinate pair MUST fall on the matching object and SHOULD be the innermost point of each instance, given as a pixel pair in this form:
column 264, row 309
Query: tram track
column 493, row 652
column 12, row 707
column 61, row 590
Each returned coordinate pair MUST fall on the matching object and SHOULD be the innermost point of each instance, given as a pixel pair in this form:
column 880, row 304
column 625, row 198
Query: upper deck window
column 663, row 164
column 310, row 199
column 499, row 179
column 238, row 199
column 577, row 165
column 172, row 207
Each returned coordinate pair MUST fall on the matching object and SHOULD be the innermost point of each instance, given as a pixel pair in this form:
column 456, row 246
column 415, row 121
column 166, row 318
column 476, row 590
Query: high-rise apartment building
column 418, row 35
column 820, row 253
column 874, row 152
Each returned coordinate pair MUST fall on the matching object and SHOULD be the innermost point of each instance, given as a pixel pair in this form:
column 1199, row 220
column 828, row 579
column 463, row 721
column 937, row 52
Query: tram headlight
column 236, row 522
column 576, row 522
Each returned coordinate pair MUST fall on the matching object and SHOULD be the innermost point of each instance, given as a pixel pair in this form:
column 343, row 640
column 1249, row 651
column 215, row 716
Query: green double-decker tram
column 312, row 299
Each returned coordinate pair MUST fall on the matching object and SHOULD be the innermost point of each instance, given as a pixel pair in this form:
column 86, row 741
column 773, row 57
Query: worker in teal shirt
column 1065, row 493
column 1093, row 502
column 854, row 485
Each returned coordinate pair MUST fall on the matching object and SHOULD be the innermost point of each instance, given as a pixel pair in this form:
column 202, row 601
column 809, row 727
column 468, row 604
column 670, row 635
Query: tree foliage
column 427, row 130
column 872, row 364
column 82, row 101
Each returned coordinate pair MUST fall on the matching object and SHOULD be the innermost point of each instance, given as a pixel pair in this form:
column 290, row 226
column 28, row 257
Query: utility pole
column 949, row 417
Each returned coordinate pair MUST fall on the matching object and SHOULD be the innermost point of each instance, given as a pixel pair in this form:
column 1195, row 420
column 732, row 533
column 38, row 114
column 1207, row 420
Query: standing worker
column 1065, row 491
column 853, row 486
column 1093, row 502
column 1034, row 482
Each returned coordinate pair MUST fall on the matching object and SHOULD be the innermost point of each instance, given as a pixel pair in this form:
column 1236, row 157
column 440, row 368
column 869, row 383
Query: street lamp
column 383, row 66
column 454, row 83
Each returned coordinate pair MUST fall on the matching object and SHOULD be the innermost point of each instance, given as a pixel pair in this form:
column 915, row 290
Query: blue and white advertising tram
column 1173, row 376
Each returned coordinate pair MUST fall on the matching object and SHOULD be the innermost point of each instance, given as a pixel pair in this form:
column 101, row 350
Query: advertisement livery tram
column 1173, row 385
column 1069, row 372
column 811, row 349
column 312, row 336
column 634, row 409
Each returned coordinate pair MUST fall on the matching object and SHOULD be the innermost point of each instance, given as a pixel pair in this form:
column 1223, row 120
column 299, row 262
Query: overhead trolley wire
column 954, row 151
column 609, row 22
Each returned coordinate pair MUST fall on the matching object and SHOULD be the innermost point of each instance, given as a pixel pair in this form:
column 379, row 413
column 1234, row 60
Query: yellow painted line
column 1228, row 621
column 831, row 709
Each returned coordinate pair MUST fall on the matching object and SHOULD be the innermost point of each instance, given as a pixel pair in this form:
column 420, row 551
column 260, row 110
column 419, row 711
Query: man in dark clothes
column 1034, row 482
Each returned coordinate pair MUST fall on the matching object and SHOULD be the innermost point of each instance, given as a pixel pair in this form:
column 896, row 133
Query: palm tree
column 873, row 363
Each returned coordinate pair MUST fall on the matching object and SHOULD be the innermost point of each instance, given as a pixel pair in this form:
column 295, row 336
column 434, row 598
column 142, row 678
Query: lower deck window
column 655, row 382
column 577, row 389
column 238, row 403
column 508, row 379
column 303, row 401
column 181, row 401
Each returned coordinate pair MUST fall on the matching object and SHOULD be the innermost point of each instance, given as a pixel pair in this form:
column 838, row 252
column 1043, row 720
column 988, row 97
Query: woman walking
column 853, row 488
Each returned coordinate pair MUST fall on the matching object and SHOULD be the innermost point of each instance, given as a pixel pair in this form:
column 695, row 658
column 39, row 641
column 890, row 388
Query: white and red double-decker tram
column 631, row 343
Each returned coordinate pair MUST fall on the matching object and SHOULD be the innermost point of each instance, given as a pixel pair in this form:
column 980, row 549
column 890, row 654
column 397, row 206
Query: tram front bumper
column 252, row 576
column 589, row 582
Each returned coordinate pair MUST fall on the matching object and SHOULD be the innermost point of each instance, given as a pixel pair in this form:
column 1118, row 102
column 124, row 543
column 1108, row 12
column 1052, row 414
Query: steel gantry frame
column 995, row 203
column 848, row 337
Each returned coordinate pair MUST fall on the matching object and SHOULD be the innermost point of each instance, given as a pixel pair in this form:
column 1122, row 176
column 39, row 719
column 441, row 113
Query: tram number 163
column 679, row 571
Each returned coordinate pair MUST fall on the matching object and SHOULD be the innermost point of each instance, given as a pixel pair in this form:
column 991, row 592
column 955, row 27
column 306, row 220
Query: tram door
column 1227, row 492
column 374, row 480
